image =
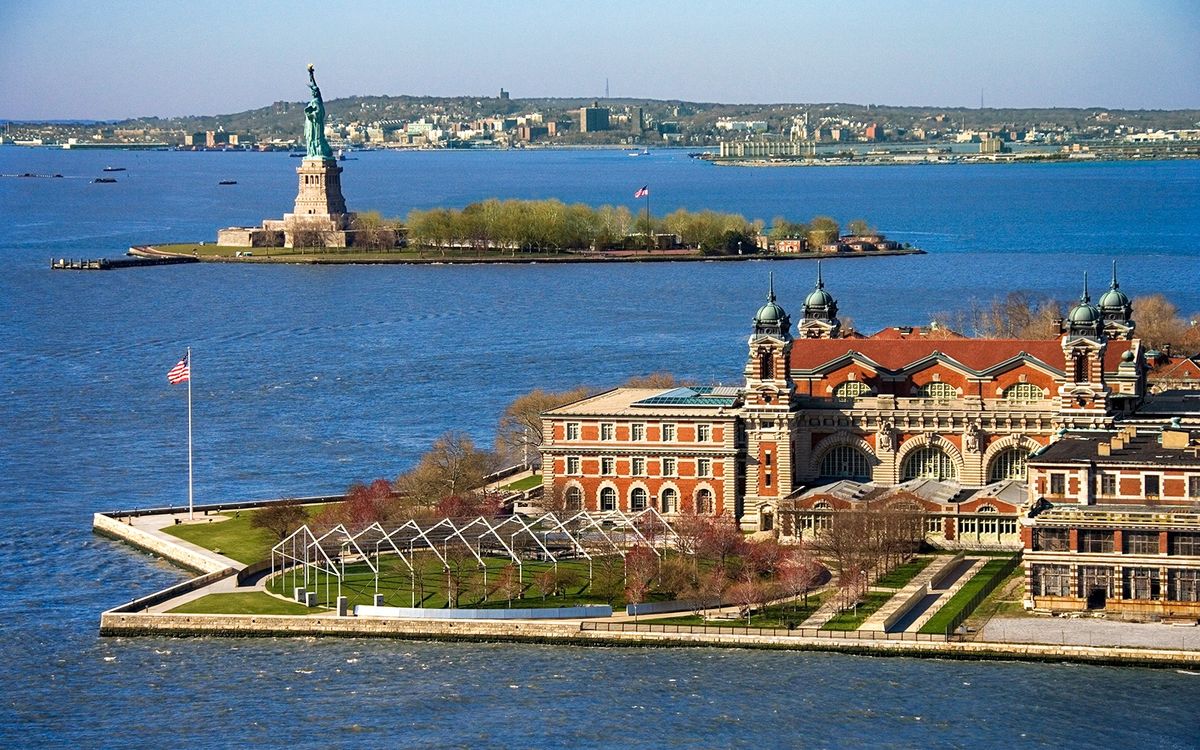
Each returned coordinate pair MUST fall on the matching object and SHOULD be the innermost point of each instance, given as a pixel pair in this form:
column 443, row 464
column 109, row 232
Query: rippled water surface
column 308, row 378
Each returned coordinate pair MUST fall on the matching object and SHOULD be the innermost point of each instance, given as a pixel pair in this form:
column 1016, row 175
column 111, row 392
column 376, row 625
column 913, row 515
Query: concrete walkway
column 154, row 525
column 1088, row 631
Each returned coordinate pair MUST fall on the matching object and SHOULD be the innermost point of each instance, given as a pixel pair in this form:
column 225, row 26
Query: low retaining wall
column 179, row 589
column 948, row 567
column 131, row 624
column 657, row 608
column 110, row 527
column 896, row 608
column 420, row 613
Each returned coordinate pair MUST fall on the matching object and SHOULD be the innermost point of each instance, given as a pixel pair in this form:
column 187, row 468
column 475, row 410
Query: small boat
column 643, row 152
column 104, row 179
column 227, row 182
column 114, row 169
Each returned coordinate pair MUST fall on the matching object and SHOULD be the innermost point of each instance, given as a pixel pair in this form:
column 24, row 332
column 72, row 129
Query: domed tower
column 819, row 318
column 767, row 417
column 1083, row 396
column 1116, row 312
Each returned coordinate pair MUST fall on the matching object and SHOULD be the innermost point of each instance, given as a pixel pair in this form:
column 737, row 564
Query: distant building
column 874, row 132
column 766, row 149
column 503, row 95
column 593, row 119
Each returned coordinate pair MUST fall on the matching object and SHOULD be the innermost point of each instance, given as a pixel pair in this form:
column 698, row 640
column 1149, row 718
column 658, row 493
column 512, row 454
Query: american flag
column 181, row 372
column 643, row 192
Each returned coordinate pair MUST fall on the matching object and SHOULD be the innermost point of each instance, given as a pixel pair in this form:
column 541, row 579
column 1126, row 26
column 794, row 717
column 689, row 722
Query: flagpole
column 191, row 515
column 649, row 229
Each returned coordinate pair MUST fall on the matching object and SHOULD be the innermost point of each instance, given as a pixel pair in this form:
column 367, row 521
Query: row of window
column 1018, row 393
column 972, row 526
column 930, row 462
column 637, row 432
column 637, row 466
column 1107, row 485
column 639, row 499
column 1104, row 540
column 1183, row 585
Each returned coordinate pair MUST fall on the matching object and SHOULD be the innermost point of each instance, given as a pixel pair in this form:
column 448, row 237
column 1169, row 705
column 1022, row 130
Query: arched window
column 822, row 505
column 637, row 499
column 1008, row 464
column 986, row 509
column 670, row 500
column 608, row 499
column 1023, row 393
column 850, row 390
column 704, row 503
column 928, row 463
column 938, row 391
column 846, row 462
column 574, row 498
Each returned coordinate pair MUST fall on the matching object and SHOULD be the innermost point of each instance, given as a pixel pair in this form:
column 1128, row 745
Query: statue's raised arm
column 314, row 122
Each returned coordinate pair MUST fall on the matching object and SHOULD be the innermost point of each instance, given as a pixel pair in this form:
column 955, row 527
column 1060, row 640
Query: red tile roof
column 896, row 354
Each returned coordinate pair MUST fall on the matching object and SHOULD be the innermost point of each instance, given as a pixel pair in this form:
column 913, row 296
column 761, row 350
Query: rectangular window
column 572, row 430
column 768, row 479
column 637, row 466
column 1058, row 484
column 704, row 467
column 1095, row 577
column 1151, row 482
column 1184, row 585
column 668, row 432
column 1051, row 540
column 1185, row 544
column 1141, row 542
column 767, row 458
column 607, row 431
column 573, row 465
column 608, row 466
column 1008, row 526
column 1194, row 487
column 1095, row 541
column 1108, row 484
column 989, row 525
column 668, row 467
column 1052, row 580
column 703, row 433
column 933, row 525
column 967, row 525
column 1141, row 583
column 637, row 432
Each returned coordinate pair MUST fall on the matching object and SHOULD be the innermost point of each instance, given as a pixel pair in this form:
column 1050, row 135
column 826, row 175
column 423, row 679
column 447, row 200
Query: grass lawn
column 1004, row 601
column 521, row 485
column 851, row 619
column 288, row 254
column 775, row 616
column 234, row 537
column 242, row 603
column 899, row 577
column 944, row 616
column 396, row 584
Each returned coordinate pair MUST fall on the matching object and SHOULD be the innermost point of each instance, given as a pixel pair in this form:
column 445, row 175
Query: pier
column 109, row 264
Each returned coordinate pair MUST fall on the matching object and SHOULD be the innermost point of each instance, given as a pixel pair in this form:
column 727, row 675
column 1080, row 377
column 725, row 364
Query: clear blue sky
column 121, row 59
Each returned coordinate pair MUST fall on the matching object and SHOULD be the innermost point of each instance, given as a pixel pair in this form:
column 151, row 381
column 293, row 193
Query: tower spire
column 1086, row 297
column 770, row 286
column 1114, row 285
column 820, row 282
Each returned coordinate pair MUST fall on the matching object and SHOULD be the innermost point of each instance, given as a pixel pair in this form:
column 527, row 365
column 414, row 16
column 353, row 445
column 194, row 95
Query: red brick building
column 824, row 405
column 1116, row 523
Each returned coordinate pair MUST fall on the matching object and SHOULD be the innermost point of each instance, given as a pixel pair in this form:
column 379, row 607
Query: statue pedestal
column 319, row 217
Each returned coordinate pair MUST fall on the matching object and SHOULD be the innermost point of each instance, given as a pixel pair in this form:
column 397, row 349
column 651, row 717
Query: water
column 307, row 378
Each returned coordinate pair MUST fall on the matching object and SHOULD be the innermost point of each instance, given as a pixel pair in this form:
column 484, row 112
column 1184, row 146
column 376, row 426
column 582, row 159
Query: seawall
column 114, row 623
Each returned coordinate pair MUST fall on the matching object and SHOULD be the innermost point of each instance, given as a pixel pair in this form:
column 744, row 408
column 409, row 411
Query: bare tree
column 519, row 433
column 280, row 518
column 641, row 566
column 453, row 467
column 508, row 584
column 799, row 572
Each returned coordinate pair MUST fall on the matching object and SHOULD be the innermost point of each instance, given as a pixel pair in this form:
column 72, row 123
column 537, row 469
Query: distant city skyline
column 62, row 60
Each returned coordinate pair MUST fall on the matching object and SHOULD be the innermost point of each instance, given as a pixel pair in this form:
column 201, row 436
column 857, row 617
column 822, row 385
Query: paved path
column 154, row 525
column 1087, row 631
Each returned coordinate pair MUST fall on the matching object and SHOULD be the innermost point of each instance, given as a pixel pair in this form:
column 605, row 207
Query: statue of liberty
column 314, row 122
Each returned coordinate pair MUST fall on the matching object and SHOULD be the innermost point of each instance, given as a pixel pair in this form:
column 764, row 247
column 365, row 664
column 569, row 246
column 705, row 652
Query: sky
column 118, row 59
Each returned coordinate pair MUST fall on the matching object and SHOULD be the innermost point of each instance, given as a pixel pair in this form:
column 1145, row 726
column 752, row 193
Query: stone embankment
column 578, row 633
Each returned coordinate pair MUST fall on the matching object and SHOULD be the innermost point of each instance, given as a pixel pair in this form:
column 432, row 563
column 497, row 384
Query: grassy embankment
column 233, row 537
column 521, row 485
column 242, row 603
column 307, row 255
column 961, row 600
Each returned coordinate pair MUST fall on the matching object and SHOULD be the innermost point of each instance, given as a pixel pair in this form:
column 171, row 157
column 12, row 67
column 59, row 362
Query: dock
column 109, row 264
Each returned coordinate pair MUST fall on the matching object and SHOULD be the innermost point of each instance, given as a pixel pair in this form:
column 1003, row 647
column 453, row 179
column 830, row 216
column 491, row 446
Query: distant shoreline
column 226, row 255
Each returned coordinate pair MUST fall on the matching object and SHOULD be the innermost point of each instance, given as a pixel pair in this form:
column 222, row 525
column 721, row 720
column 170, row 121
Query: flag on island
column 643, row 192
column 181, row 372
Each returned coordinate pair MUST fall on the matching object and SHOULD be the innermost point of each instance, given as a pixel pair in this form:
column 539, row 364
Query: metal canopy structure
column 550, row 537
